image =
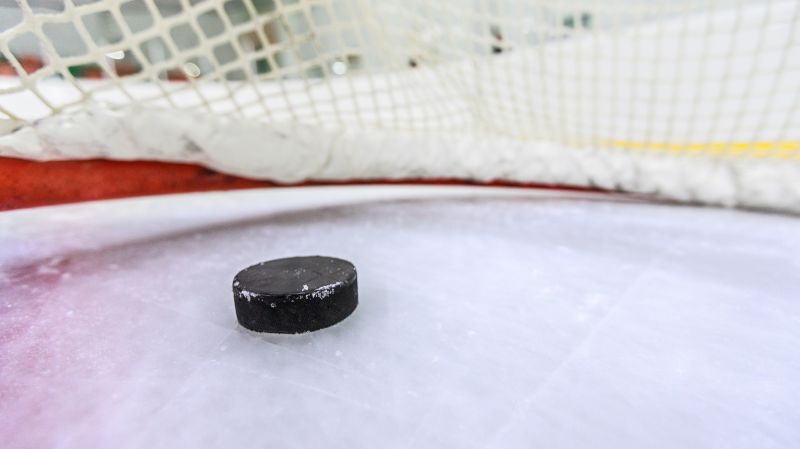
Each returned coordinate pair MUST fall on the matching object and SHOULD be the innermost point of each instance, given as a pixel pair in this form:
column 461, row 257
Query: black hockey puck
column 296, row 294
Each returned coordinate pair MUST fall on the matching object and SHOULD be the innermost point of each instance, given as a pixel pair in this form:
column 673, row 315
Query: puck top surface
column 296, row 294
column 295, row 275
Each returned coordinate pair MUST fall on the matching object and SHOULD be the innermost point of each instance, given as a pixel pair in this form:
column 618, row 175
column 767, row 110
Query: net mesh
column 696, row 89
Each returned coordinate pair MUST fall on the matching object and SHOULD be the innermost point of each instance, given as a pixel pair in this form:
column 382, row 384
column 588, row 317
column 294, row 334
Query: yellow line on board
column 757, row 150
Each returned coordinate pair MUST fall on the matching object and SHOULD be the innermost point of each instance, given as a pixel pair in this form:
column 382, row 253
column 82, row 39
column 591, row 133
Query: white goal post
column 692, row 100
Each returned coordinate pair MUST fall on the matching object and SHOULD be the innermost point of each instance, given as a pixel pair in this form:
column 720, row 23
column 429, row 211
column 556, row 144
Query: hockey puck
column 296, row 294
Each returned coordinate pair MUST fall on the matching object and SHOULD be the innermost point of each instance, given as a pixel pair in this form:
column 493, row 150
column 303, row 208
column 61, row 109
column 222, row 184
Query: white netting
column 689, row 99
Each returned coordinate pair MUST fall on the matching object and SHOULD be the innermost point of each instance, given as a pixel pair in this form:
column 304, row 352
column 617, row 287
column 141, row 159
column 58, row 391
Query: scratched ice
column 483, row 322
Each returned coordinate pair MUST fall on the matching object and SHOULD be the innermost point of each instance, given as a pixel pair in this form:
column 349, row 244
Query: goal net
column 692, row 100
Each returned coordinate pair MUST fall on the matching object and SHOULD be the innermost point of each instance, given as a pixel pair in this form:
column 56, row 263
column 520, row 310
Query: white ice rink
column 488, row 318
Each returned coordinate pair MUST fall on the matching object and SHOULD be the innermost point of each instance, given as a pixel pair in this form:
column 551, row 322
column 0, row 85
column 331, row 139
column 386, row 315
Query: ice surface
column 485, row 320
